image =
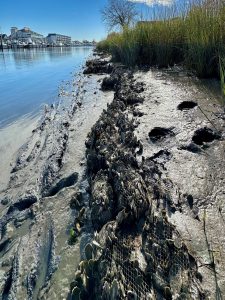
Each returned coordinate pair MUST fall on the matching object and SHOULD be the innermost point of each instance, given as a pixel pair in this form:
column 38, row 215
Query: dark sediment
column 136, row 253
column 157, row 134
column 185, row 105
column 205, row 135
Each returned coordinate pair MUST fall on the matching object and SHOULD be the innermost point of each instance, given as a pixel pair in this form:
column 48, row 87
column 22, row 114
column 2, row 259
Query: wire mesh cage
column 167, row 262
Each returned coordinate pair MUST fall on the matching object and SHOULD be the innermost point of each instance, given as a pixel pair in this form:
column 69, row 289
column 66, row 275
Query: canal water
column 30, row 78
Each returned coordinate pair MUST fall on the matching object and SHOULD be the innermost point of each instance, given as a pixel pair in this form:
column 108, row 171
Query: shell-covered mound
column 135, row 252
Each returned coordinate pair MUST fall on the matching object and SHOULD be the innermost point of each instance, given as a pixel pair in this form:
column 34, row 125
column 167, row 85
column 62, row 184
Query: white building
column 26, row 35
column 55, row 39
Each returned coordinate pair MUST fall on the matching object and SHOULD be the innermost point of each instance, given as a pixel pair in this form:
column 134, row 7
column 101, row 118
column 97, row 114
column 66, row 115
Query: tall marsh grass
column 194, row 36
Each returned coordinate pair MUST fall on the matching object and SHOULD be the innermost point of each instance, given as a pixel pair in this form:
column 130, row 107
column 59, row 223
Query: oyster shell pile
column 135, row 253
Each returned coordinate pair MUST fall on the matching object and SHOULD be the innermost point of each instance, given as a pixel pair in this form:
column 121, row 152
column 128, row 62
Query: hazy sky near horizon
column 80, row 19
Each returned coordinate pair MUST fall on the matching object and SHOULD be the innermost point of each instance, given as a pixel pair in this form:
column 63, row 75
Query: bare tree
column 118, row 13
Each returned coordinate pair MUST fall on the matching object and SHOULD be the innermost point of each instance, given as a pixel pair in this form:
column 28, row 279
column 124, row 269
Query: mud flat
column 37, row 261
column 116, row 194
column 156, row 182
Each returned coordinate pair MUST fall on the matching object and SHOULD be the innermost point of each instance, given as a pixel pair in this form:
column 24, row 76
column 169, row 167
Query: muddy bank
column 118, row 191
column 152, row 160
column 37, row 260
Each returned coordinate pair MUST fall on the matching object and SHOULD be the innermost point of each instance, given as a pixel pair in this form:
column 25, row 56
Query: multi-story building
column 55, row 39
column 26, row 35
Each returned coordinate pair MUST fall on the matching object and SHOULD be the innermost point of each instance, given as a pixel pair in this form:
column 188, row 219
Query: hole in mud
column 190, row 201
column 204, row 135
column 23, row 204
column 159, row 133
column 63, row 183
column 186, row 105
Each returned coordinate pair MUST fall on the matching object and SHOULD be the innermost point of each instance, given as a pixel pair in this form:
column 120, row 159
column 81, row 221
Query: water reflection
column 59, row 52
column 31, row 56
column 26, row 56
column 2, row 60
column 31, row 77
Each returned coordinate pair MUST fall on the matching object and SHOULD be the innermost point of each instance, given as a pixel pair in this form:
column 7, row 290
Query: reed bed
column 193, row 36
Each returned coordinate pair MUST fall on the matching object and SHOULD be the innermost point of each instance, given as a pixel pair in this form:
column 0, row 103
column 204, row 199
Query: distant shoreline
column 38, row 47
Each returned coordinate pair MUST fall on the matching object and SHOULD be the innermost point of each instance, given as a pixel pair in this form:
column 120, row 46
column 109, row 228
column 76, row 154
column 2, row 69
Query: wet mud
column 117, row 193
column 148, row 167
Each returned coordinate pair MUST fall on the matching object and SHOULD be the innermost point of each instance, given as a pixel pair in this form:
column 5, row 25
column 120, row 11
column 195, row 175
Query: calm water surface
column 30, row 78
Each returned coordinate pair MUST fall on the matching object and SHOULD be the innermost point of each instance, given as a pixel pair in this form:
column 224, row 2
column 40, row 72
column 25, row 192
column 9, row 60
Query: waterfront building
column 87, row 43
column 76, row 43
column 55, row 39
column 26, row 35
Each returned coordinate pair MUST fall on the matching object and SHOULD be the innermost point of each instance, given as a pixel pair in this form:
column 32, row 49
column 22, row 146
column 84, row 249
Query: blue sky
column 80, row 19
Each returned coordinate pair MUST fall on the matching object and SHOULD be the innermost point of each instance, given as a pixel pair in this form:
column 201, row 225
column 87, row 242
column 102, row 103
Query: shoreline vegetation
column 193, row 37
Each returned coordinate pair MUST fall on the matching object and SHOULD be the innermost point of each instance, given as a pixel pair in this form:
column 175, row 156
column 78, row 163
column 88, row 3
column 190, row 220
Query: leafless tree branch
column 118, row 13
